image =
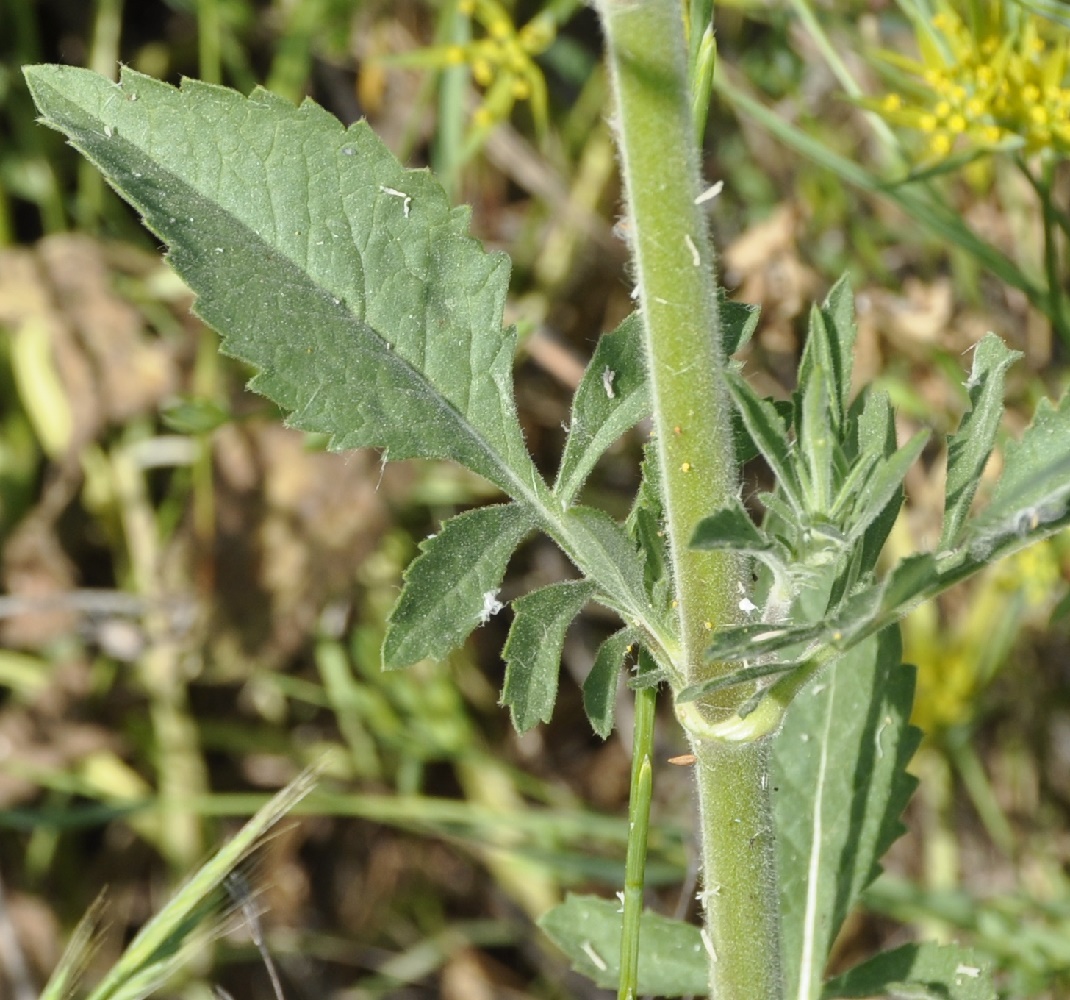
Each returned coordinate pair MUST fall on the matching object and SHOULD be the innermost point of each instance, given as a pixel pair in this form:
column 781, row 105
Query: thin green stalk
column 180, row 768
column 209, row 60
column 1052, row 270
column 674, row 270
column 453, row 87
column 638, row 825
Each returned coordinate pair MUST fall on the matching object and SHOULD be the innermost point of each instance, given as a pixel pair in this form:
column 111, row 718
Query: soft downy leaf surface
column 1034, row 489
column 451, row 586
column 969, row 447
column 600, row 685
column 766, row 428
column 948, row 972
column 839, row 785
column 348, row 280
column 672, row 958
column 828, row 356
column 533, row 650
column 612, row 397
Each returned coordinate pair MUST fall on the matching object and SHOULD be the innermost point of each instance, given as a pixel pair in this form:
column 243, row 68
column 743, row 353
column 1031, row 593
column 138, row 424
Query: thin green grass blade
column 158, row 945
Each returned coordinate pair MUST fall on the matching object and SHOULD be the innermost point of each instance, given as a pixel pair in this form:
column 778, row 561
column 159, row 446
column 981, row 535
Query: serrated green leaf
column 1034, row 489
column 969, row 447
column 600, row 685
column 606, row 553
column 730, row 528
column 612, row 397
column 451, row 586
column 533, row 650
column 926, row 971
column 672, row 959
column 746, row 449
column 348, row 280
column 769, row 433
column 840, row 785
column 739, row 320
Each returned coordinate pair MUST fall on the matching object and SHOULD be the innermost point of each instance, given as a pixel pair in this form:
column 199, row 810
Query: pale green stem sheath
column 638, row 825
column 674, row 271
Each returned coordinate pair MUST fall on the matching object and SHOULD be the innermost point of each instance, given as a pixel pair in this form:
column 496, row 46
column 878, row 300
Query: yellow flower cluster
column 997, row 82
column 502, row 61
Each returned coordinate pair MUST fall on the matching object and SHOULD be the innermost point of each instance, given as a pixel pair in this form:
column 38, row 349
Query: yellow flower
column 502, row 61
column 990, row 75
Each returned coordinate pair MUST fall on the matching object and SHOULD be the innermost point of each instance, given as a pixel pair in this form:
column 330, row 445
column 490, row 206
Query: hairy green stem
column 674, row 271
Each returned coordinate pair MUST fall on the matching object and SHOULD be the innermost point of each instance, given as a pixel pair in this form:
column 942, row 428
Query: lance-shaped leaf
column 346, row 279
column 533, row 650
column 766, row 428
column 452, row 585
column 883, row 485
column 672, row 958
column 969, row 447
column 839, row 774
column 816, row 441
column 1034, row 489
column 872, row 426
column 600, row 686
column 829, row 352
column 611, row 398
column 918, row 970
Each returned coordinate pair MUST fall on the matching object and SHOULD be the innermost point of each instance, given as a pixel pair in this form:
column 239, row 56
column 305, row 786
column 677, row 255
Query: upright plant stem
column 674, row 269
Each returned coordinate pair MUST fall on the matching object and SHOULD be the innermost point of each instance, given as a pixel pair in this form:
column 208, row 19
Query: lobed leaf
column 533, row 650
column 948, row 972
column 347, row 280
column 451, row 586
column 605, row 552
column 840, row 783
column 672, row 958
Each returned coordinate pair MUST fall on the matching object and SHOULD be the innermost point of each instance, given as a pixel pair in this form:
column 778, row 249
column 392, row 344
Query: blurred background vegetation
column 193, row 596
